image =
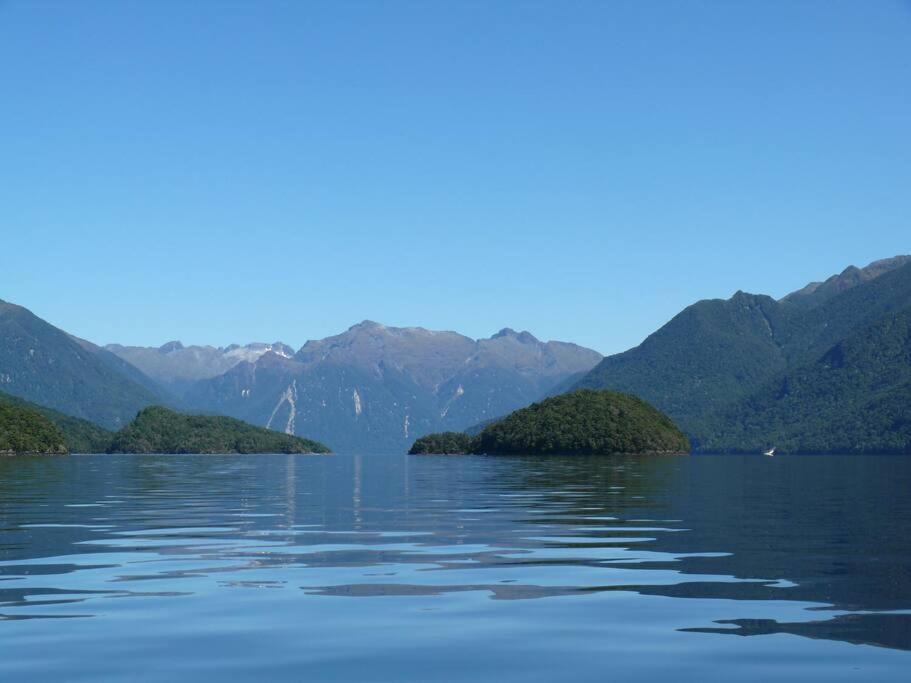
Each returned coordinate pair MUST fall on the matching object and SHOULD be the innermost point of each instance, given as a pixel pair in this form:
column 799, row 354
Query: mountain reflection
column 790, row 545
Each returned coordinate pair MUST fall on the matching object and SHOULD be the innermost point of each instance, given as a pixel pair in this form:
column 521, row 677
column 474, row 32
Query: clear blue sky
column 237, row 171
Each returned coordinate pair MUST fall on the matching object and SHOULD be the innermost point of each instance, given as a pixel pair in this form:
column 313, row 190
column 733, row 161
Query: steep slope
column 854, row 398
column 80, row 436
column 44, row 365
column 376, row 387
column 130, row 371
column 708, row 355
column 817, row 293
column 716, row 353
column 159, row 430
column 814, row 331
column 24, row 431
column 175, row 366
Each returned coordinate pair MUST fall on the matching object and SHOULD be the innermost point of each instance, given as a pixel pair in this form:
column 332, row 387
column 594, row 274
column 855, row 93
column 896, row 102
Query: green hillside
column 709, row 354
column 583, row 422
column 159, row 430
column 854, row 398
column 81, row 436
column 742, row 374
column 23, row 430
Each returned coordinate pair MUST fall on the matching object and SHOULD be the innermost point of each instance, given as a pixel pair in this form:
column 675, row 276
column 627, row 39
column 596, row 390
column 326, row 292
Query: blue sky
column 225, row 171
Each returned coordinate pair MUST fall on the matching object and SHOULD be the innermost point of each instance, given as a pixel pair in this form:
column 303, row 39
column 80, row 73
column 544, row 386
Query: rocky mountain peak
column 524, row 337
column 170, row 347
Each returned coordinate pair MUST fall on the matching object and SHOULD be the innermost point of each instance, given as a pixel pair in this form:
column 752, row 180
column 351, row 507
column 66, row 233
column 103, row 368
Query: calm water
column 392, row 568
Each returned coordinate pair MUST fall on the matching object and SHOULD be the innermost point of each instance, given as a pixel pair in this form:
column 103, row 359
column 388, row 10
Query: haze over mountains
column 372, row 387
column 176, row 366
column 827, row 367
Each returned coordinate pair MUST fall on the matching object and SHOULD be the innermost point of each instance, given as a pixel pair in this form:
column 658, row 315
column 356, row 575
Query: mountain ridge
column 376, row 386
column 43, row 364
column 718, row 354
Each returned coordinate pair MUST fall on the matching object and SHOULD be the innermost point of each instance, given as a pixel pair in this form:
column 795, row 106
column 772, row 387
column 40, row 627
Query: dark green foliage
column 159, row 430
column 23, row 430
column 81, row 436
column 709, row 354
column 584, row 422
column 445, row 443
column 854, row 398
column 750, row 372
column 476, row 429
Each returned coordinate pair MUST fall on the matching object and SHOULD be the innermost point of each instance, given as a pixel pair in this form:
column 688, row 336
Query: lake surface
column 396, row 568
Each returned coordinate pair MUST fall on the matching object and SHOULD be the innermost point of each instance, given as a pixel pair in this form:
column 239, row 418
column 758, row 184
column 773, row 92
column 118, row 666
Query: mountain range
column 375, row 387
column 370, row 388
column 177, row 367
column 825, row 368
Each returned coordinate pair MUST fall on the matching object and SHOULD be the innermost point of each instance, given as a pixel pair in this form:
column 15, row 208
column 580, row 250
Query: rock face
column 375, row 387
column 26, row 431
column 159, row 430
column 583, row 422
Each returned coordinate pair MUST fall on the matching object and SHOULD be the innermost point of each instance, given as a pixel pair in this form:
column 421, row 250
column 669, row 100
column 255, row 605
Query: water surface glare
column 396, row 568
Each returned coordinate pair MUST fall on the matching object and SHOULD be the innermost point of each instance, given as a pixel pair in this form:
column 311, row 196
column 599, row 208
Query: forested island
column 583, row 422
column 26, row 428
column 445, row 443
column 159, row 430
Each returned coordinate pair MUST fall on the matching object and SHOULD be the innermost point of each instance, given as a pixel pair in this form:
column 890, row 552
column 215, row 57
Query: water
column 393, row 568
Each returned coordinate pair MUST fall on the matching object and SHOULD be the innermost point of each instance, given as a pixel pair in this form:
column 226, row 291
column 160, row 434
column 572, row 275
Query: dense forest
column 854, row 398
column 23, row 430
column 159, row 430
column 583, row 422
column 826, row 369
column 80, row 436
column 444, row 443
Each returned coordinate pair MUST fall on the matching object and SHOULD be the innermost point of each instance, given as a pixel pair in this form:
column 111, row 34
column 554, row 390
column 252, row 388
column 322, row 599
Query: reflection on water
column 459, row 568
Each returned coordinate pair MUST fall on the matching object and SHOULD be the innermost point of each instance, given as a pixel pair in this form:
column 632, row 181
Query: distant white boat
column 771, row 451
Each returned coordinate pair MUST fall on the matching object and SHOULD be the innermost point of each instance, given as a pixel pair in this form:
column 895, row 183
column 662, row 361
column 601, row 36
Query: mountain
column 176, row 367
column 159, row 430
column 128, row 370
column 45, row 365
column 582, row 422
column 816, row 293
column 709, row 367
column 376, row 387
column 854, row 398
column 707, row 355
column 80, row 436
column 26, row 431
